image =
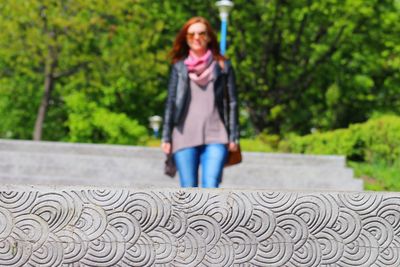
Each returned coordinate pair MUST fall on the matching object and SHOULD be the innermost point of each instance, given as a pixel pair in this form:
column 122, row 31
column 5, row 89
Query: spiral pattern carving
column 111, row 227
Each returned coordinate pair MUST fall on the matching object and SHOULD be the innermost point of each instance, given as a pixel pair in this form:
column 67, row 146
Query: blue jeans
column 211, row 157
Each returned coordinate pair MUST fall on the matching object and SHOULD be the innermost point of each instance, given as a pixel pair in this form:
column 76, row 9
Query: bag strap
column 221, row 63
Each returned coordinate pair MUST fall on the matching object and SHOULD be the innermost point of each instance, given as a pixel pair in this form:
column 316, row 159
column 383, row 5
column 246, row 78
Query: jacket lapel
column 217, row 71
column 183, row 71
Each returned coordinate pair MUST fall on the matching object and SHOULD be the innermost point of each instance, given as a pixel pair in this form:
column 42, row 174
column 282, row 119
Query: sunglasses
column 191, row 35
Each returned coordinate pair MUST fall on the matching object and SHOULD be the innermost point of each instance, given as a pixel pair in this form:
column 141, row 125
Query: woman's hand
column 233, row 147
column 166, row 147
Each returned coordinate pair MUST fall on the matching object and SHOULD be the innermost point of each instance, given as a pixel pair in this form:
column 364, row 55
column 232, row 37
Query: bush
column 262, row 143
column 382, row 139
column 371, row 148
column 87, row 123
column 378, row 176
column 377, row 140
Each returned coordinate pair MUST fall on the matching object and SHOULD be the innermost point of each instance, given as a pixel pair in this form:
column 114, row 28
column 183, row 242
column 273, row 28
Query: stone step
column 287, row 183
column 156, row 154
column 44, row 180
column 79, row 148
column 318, row 172
column 65, row 163
column 92, row 170
column 26, row 163
column 294, row 159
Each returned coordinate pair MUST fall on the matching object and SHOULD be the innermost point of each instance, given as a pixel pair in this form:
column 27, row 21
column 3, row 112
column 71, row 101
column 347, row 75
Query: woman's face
column 197, row 37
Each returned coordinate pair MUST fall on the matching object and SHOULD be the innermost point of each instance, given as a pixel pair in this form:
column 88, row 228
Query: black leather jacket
column 179, row 98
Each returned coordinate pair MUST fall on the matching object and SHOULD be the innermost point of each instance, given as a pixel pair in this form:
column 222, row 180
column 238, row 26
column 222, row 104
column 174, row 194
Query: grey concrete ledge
column 81, row 226
column 129, row 151
column 29, row 162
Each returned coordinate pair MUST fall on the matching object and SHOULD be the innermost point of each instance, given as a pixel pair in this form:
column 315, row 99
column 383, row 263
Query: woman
column 201, row 113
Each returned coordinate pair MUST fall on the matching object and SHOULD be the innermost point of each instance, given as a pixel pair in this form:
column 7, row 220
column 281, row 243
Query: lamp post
column 224, row 7
column 155, row 123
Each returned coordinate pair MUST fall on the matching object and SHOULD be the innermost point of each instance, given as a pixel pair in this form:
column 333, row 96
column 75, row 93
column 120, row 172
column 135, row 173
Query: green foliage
column 338, row 142
column 381, row 139
column 378, row 176
column 371, row 148
column 16, row 120
column 300, row 65
column 111, row 52
column 315, row 64
column 262, row 143
column 89, row 122
column 377, row 140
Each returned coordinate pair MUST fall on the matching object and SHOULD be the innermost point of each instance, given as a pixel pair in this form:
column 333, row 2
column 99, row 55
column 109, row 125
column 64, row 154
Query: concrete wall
column 78, row 226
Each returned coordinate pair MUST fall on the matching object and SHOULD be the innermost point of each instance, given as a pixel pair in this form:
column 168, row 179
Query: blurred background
column 316, row 77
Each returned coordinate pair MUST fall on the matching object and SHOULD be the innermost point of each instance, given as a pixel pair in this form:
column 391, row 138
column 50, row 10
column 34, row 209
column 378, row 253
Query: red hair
column 180, row 48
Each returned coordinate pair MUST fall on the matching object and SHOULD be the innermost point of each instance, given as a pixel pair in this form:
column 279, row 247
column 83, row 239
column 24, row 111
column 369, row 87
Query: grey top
column 202, row 124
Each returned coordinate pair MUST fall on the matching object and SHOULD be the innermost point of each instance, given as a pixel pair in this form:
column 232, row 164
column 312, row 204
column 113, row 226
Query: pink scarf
column 200, row 68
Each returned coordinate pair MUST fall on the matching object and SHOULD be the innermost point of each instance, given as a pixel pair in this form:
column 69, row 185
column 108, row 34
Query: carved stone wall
column 50, row 226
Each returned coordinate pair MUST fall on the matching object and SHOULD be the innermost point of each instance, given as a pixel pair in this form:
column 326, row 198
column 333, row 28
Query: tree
column 65, row 46
column 306, row 64
column 95, row 70
column 41, row 41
